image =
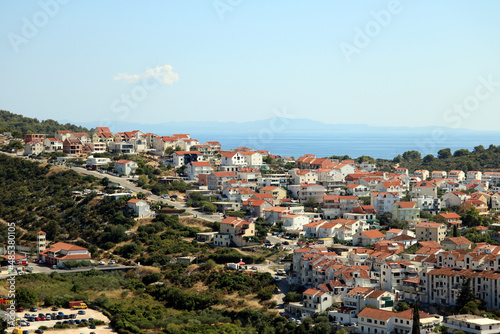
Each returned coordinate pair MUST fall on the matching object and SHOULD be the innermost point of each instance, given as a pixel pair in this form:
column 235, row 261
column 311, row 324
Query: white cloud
column 163, row 74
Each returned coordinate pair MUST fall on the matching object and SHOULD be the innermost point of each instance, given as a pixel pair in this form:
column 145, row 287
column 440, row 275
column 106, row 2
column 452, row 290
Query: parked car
column 40, row 331
column 33, row 309
column 111, row 262
column 102, row 263
column 92, row 326
column 20, row 309
column 55, row 309
column 81, row 312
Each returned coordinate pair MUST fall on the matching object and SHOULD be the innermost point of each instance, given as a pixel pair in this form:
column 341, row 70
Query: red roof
column 373, row 234
column 200, row 163
column 407, row 205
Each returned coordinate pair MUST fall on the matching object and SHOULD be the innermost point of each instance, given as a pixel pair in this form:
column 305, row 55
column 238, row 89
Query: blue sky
column 418, row 64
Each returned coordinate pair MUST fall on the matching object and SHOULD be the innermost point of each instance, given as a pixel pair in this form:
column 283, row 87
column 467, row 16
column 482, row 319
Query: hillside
column 19, row 125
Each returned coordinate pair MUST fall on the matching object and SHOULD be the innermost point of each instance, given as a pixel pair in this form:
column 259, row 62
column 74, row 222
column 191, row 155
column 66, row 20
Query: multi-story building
column 234, row 231
column 430, row 231
column 406, row 212
column 444, row 285
column 471, row 324
column 382, row 202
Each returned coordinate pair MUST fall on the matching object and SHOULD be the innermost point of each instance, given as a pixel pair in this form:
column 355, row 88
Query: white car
column 111, row 262
column 102, row 263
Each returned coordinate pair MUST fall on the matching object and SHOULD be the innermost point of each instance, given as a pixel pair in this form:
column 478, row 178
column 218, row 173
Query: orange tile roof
column 459, row 240
column 373, row 234
column 407, row 205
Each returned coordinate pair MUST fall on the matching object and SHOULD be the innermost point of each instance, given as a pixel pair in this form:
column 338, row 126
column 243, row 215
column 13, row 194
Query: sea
column 376, row 144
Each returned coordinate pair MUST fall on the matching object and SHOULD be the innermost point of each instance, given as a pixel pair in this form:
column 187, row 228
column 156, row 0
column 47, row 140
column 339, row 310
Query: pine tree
column 415, row 329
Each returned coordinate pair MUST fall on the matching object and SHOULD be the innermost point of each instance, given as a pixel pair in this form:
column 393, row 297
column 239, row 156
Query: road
column 131, row 186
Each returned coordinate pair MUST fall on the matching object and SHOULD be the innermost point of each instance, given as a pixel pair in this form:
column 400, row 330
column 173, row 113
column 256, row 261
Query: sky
column 381, row 63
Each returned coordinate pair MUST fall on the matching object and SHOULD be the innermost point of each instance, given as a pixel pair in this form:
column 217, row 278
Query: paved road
column 131, row 186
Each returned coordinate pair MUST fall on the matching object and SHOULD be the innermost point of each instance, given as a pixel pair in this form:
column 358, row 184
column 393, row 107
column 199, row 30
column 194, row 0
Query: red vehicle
column 42, row 318
column 20, row 309
column 37, row 319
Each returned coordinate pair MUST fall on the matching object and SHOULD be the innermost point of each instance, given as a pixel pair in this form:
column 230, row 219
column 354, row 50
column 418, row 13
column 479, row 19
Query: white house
column 295, row 222
column 125, row 167
column 140, row 207
column 196, row 168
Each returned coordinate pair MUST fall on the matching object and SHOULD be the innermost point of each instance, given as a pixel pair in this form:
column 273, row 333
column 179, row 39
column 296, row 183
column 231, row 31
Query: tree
column 428, row 158
column 169, row 150
column 412, row 155
column 105, row 181
column 142, row 180
column 25, row 297
column 461, row 152
column 466, row 294
column 415, row 328
column 402, row 306
column 455, row 231
column 445, row 153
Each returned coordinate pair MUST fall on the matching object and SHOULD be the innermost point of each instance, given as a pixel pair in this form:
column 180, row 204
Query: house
column 438, row 174
column 451, row 218
column 389, row 246
column 276, row 192
column 426, row 188
column 72, row 146
column 406, row 212
column 301, row 176
column 236, row 194
column 474, row 175
column 252, row 159
column 372, row 321
column 216, row 179
column 29, row 137
column 53, row 144
column 195, row 168
column 365, row 238
column 358, row 190
column 234, row 231
column 481, row 207
column 454, row 198
column 382, row 202
column 141, row 208
column 456, row 175
column 95, row 163
column 452, row 243
column 61, row 252
column 392, row 274
column 125, row 167
column 63, row 135
column 121, row 147
column 390, row 186
column 430, row 231
column 405, row 239
column 181, row 158
column 94, row 148
column 423, row 174
column 314, row 192
column 34, row 147
column 360, row 297
column 232, row 159
column 313, row 301
column 295, row 222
